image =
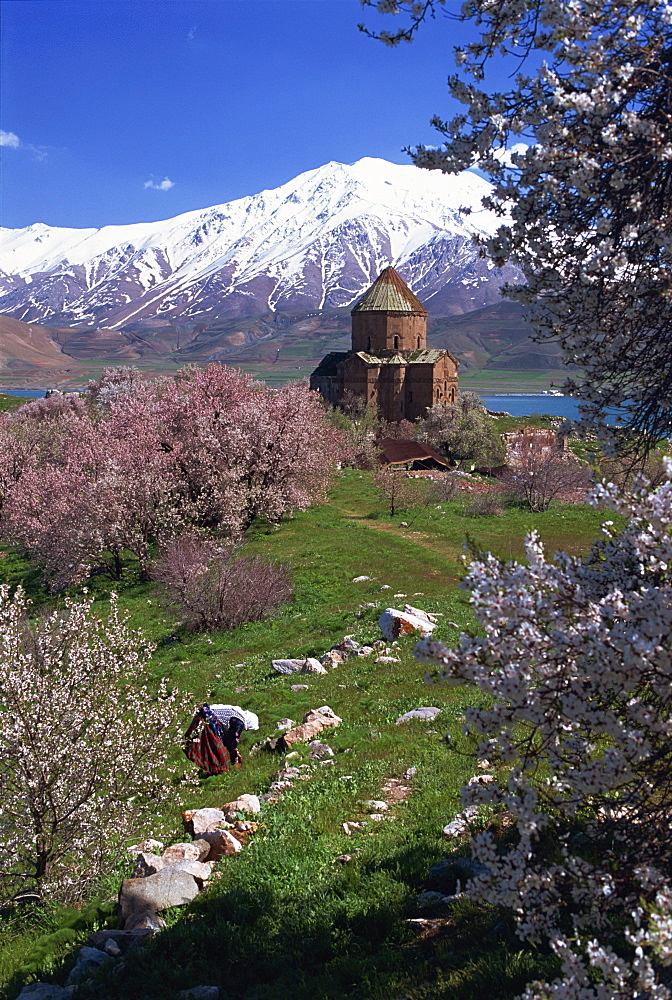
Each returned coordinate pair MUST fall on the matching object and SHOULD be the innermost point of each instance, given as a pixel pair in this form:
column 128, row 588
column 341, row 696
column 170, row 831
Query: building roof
column 389, row 293
column 327, row 365
column 400, row 451
column 425, row 357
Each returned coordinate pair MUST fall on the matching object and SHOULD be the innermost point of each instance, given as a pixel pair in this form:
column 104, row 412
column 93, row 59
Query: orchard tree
column 585, row 186
column 84, row 744
column 575, row 657
column 463, row 430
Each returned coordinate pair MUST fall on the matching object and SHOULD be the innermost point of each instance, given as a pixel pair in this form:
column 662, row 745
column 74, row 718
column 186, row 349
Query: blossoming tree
column 83, row 744
column 585, row 186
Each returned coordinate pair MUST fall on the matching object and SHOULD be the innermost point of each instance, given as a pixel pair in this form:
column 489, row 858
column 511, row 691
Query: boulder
column 361, row 579
column 312, row 666
column 88, row 960
column 426, row 714
column 146, row 923
column 459, row 826
column 313, row 723
column 374, row 805
column 150, row 846
column 46, row 991
column 284, row 724
column 450, row 875
column 169, row 887
column 435, row 903
column 148, row 864
column 244, row 803
column 222, row 844
column 298, row 687
column 393, row 623
column 197, row 850
column 199, row 993
column 333, row 658
column 203, row 820
column 319, row 750
column 287, row 666
column 123, row 939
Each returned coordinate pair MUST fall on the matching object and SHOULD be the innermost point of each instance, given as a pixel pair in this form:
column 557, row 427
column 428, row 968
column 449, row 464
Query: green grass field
column 286, row 916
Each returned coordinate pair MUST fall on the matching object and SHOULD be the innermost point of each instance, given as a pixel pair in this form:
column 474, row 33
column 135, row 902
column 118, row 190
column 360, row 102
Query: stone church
column 389, row 363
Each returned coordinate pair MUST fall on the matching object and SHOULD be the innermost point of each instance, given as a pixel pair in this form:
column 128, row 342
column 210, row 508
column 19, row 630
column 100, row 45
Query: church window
column 418, row 343
column 396, row 343
column 410, row 396
column 368, row 345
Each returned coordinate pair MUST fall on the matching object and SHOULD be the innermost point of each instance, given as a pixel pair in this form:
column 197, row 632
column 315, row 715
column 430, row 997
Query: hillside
column 276, row 346
column 307, row 908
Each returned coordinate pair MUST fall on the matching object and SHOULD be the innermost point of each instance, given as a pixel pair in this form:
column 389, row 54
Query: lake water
column 517, row 404
column 524, row 404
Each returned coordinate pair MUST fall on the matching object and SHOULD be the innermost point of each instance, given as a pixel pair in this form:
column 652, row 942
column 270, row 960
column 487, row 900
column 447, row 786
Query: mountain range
column 217, row 282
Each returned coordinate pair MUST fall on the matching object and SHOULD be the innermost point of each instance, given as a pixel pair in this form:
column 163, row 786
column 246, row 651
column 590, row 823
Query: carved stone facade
column 389, row 364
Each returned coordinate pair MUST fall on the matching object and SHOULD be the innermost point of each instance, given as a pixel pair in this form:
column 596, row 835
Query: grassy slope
column 285, row 915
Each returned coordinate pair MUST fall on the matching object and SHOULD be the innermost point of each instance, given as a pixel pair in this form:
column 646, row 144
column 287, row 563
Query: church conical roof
column 389, row 293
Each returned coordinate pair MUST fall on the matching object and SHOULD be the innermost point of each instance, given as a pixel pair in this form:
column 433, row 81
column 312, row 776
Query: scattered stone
column 361, row 579
column 427, row 714
column 244, row 803
column 112, row 948
column 166, row 888
column 374, row 805
column 222, row 844
column 400, row 595
column 393, row 623
column 200, row 993
column 203, row 820
column 287, row 666
column 481, row 779
column 197, row 850
column 298, row 687
column 333, row 658
column 311, row 665
column 46, row 991
column 240, row 689
column 151, row 846
column 449, row 875
column 351, row 826
column 388, row 659
column 378, row 817
column 123, row 939
column 88, row 960
column 410, row 773
column 148, row 864
column 344, row 859
column 319, row 750
column 284, row 724
column 145, row 923
column 365, row 651
column 386, row 586
column 459, row 826
column 484, row 765
column 313, row 723
column 433, row 903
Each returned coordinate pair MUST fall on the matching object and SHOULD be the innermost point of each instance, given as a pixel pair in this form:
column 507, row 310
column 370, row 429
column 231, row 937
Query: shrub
column 215, row 588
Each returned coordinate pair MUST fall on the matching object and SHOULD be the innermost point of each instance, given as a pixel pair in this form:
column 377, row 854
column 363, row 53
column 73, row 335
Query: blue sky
column 118, row 111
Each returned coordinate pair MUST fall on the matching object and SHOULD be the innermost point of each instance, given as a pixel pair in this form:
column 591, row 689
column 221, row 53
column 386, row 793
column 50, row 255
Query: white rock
column 312, row 666
column 393, row 623
column 361, row 579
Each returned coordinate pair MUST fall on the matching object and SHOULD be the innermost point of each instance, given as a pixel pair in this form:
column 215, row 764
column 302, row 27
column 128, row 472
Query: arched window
column 396, row 343
column 368, row 345
column 418, row 343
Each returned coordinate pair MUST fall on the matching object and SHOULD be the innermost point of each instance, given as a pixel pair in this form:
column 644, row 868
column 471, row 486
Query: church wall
column 375, row 332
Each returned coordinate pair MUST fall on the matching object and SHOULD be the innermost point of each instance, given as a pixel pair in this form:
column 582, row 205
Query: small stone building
column 389, row 364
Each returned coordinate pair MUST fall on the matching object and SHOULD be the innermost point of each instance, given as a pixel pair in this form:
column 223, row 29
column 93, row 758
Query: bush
column 484, row 505
column 216, row 589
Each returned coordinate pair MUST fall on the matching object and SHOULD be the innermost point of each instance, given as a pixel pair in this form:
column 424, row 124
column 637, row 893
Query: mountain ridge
column 316, row 242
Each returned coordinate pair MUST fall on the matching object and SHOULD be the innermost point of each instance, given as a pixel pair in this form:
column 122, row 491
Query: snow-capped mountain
column 316, row 242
